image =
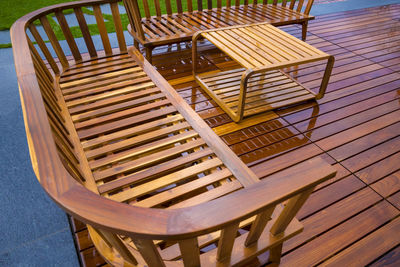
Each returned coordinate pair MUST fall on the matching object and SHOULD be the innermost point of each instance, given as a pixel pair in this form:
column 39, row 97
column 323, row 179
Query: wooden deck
column 353, row 218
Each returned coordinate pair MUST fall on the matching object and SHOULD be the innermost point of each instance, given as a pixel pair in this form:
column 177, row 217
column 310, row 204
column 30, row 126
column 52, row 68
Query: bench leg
column 304, row 26
column 136, row 44
column 149, row 52
column 275, row 254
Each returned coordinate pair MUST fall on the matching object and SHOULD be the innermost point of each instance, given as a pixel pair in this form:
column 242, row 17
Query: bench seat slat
column 104, row 90
column 211, row 18
column 142, row 127
column 163, row 144
column 167, row 165
column 178, row 191
column 102, row 119
column 107, row 105
column 123, row 123
column 209, row 195
column 93, row 64
column 166, row 180
column 99, row 69
column 137, row 140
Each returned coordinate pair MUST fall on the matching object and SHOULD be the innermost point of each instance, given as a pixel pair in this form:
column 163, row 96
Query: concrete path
column 34, row 231
column 322, row 7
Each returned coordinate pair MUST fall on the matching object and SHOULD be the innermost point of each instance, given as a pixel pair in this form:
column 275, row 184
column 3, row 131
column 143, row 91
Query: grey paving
column 5, row 37
column 51, row 250
column 30, row 222
column 323, row 7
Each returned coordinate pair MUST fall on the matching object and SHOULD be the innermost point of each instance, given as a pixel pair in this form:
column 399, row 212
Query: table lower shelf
column 265, row 91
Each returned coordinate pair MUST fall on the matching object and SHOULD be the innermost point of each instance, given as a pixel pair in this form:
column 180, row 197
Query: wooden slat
column 189, row 5
column 179, row 6
column 137, row 140
column 167, row 180
column 143, row 127
column 163, row 167
column 190, row 252
column 54, row 42
column 292, row 3
column 85, row 32
column 116, row 242
column 290, row 210
column 68, row 35
column 146, row 9
column 158, row 9
column 102, row 29
column 44, row 48
column 112, row 126
column 168, row 7
column 149, row 252
column 118, row 27
column 226, row 242
column 258, row 226
column 299, row 5
column 184, row 189
column 154, row 146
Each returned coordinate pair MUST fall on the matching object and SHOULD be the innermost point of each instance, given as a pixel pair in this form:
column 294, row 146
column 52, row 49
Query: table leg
column 325, row 79
column 242, row 95
column 196, row 36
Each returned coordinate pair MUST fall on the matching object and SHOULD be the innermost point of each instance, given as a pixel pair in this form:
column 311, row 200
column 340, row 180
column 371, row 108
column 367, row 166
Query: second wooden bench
column 168, row 26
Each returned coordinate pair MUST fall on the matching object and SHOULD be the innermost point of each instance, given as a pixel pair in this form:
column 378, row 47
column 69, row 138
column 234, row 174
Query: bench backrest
column 59, row 162
column 46, row 27
column 46, row 37
column 149, row 8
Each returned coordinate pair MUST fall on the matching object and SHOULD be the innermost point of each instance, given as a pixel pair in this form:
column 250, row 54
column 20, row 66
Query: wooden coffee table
column 263, row 51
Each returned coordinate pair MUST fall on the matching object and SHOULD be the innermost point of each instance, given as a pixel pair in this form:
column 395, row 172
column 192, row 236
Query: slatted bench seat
column 116, row 147
column 174, row 27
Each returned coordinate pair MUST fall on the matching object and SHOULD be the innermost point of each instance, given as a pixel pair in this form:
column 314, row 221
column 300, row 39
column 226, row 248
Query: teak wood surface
column 174, row 27
column 119, row 149
column 263, row 51
column 352, row 219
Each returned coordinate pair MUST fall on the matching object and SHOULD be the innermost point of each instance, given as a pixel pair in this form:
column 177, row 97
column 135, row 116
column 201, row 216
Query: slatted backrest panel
column 57, row 120
column 65, row 35
column 56, row 39
column 303, row 6
column 149, row 8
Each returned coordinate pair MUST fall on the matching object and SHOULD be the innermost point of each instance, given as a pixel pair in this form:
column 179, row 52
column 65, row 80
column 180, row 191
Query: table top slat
column 262, row 46
column 237, row 57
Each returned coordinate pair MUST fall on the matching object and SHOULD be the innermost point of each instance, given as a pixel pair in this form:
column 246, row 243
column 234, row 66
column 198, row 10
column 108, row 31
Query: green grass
column 5, row 45
column 11, row 10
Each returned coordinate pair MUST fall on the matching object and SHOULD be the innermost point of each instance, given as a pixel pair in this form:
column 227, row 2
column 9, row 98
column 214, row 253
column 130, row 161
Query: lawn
column 11, row 10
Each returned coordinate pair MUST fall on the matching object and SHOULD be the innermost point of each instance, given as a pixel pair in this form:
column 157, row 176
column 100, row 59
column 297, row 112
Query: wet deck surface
column 353, row 218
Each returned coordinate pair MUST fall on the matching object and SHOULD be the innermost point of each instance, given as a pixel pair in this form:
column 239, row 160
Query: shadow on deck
column 353, row 218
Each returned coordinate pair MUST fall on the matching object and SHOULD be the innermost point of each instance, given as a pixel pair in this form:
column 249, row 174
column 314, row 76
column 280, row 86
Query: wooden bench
column 175, row 27
column 116, row 147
